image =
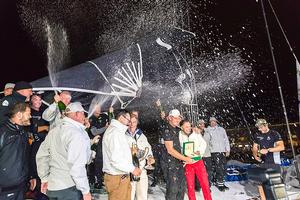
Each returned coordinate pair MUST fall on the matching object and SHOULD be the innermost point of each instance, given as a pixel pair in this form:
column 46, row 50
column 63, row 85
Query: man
column 39, row 129
column 197, row 168
column 21, row 93
column 220, row 149
column 52, row 114
column 99, row 122
column 117, row 159
column 8, row 89
column 267, row 146
column 62, row 157
column 175, row 177
column 14, row 154
column 135, row 136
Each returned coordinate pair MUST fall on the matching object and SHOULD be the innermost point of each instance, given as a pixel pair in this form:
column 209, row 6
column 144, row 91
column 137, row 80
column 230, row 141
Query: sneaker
column 226, row 188
column 221, row 188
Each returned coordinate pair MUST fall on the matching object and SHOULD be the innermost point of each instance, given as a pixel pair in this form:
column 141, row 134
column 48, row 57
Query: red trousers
column 197, row 168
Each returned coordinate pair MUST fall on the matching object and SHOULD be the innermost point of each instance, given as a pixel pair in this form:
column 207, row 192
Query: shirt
column 219, row 140
column 117, row 158
column 268, row 140
column 62, row 157
column 199, row 142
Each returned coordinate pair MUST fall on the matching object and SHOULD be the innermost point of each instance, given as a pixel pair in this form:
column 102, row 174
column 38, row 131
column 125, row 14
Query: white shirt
column 138, row 138
column 117, row 157
column 199, row 142
column 62, row 157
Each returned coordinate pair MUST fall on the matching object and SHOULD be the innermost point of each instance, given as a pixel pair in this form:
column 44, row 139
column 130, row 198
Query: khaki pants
column 118, row 188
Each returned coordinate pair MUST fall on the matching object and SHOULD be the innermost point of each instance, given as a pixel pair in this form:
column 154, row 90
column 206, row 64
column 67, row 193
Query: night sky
column 234, row 20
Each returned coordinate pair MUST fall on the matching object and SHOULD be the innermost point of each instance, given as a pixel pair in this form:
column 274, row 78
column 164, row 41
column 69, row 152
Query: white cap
column 212, row 119
column 201, row 121
column 175, row 113
column 74, row 107
column 9, row 85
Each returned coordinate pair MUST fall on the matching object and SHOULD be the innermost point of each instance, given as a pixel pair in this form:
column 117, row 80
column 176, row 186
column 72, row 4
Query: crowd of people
column 61, row 154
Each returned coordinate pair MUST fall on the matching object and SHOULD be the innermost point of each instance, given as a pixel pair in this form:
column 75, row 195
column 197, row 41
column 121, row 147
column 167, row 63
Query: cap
column 9, row 85
column 201, row 121
column 74, row 107
column 260, row 122
column 213, row 119
column 22, row 85
column 175, row 113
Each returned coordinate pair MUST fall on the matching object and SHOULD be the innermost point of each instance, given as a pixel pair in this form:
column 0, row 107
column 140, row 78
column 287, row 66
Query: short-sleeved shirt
column 36, row 121
column 171, row 134
column 268, row 140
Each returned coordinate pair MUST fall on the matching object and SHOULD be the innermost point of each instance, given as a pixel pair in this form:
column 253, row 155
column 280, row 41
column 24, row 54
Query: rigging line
column 281, row 28
column 94, row 64
column 278, row 81
column 243, row 116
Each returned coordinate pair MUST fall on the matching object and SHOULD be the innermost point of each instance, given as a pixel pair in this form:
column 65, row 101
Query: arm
column 43, row 128
column 176, row 154
column 77, row 159
column 227, row 144
column 50, row 113
column 279, row 146
column 42, row 160
column 255, row 151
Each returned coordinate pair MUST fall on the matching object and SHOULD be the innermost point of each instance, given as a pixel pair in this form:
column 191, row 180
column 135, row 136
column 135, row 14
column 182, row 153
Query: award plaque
column 189, row 150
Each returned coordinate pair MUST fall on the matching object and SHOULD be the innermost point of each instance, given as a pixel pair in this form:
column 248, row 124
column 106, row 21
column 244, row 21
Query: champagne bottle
column 136, row 163
column 110, row 116
column 61, row 107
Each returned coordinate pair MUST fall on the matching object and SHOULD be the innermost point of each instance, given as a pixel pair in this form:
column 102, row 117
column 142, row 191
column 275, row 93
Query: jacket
column 14, row 155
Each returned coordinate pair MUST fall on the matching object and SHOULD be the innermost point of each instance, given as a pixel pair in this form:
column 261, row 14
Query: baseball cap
column 260, row 122
column 22, row 85
column 9, row 85
column 74, row 107
column 175, row 113
column 213, row 119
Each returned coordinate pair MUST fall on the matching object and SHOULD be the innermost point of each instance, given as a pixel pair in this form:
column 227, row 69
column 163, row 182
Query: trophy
column 189, row 150
column 142, row 155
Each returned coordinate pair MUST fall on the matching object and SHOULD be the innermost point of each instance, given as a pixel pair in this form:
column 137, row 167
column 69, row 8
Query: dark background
column 21, row 59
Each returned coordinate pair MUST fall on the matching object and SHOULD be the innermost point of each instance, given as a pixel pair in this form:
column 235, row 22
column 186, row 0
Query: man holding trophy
column 142, row 149
column 193, row 145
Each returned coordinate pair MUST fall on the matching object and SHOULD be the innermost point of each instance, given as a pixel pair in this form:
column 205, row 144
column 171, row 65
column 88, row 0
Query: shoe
column 226, row 188
column 221, row 188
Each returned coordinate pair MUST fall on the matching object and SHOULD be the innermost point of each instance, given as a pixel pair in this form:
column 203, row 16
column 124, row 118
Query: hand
column 264, row 151
column 95, row 140
column 57, row 98
column 162, row 115
column 32, row 184
column 87, row 196
column 111, row 109
column 158, row 104
column 189, row 160
column 227, row 153
column 44, row 187
column 258, row 158
column 86, row 123
column 150, row 160
column 137, row 171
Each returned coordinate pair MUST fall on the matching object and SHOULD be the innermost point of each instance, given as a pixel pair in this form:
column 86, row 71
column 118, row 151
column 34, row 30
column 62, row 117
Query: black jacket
column 6, row 103
column 14, row 155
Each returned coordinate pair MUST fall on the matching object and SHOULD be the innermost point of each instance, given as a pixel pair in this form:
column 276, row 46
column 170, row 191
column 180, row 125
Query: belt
column 122, row 175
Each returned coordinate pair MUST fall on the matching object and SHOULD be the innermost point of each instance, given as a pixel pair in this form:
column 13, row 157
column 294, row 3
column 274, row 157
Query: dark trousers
column 158, row 171
column 16, row 194
column 208, row 166
column 218, row 166
column 99, row 164
column 176, row 184
column 67, row 194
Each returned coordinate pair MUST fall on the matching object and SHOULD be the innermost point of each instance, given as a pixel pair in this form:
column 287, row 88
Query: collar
column 18, row 96
column 71, row 121
column 137, row 133
column 14, row 127
column 115, row 123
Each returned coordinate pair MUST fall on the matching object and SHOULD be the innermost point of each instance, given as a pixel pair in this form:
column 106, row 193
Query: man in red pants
column 198, row 168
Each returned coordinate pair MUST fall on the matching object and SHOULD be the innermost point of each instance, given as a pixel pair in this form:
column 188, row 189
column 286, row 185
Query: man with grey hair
column 8, row 89
column 52, row 114
column 62, row 157
column 220, row 149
